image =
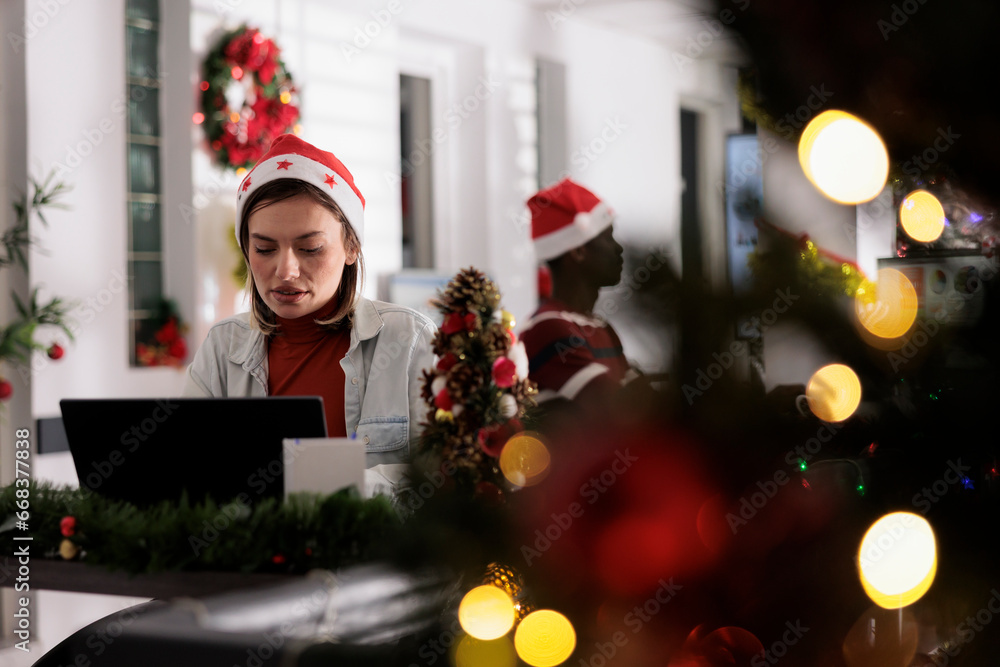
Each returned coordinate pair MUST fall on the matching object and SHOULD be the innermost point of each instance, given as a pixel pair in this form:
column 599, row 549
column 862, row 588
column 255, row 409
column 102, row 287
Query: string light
column 922, row 216
column 844, row 157
column 525, row 460
column 486, row 612
column 889, row 309
column 545, row 638
column 834, row 392
column 897, row 559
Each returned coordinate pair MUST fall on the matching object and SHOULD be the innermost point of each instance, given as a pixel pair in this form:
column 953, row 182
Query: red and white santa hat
column 291, row 157
column 565, row 216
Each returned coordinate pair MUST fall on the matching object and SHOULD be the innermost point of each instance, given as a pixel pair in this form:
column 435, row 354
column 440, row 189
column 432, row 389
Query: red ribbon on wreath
column 238, row 137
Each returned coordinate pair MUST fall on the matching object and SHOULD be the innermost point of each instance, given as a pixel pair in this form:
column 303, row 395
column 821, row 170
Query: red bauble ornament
column 67, row 526
column 504, row 372
column 490, row 493
column 452, row 323
column 443, row 401
column 446, row 362
column 6, row 389
column 278, row 559
column 56, row 351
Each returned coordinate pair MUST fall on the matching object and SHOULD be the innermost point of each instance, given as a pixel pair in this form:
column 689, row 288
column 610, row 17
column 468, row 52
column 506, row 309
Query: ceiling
column 672, row 23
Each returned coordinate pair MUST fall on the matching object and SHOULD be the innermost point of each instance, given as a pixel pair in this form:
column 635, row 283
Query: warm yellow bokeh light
column 922, row 216
column 524, row 460
column 897, row 559
column 834, row 392
column 844, row 157
column 889, row 307
column 545, row 638
column 285, row 97
column 486, row 612
column 472, row 652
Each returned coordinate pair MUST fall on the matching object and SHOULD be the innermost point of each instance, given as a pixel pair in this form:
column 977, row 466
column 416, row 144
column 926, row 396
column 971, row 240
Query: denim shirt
column 390, row 347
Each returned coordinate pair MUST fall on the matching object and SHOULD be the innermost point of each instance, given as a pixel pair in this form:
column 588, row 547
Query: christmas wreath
column 247, row 98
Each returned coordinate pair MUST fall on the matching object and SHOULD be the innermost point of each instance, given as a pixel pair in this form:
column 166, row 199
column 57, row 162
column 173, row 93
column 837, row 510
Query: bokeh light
column 525, row 460
column 922, row 216
column 486, row 612
column 545, row 638
column 897, row 559
column 834, row 392
column 888, row 308
column 472, row 652
column 843, row 157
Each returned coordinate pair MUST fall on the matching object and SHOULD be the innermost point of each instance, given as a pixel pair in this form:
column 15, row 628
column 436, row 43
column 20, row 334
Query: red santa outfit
column 571, row 354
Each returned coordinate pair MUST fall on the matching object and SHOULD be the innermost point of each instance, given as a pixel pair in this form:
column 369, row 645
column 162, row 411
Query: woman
column 300, row 225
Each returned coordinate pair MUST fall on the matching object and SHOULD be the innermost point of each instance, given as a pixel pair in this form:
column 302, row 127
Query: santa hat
column 566, row 216
column 291, row 157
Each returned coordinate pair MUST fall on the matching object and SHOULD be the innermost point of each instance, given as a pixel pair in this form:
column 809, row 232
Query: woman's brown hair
column 351, row 280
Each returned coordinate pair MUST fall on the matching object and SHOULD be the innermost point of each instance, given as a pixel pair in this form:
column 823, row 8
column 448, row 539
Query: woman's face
column 297, row 255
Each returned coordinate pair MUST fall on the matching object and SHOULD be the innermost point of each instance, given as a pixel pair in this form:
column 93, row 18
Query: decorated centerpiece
column 479, row 389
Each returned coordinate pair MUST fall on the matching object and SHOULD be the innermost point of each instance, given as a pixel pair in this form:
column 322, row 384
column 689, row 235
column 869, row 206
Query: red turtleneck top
column 304, row 360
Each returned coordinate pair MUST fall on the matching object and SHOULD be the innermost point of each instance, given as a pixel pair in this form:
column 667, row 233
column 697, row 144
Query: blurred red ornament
column 452, row 323
column 278, row 559
column 56, row 351
column 492, row 438
column 504, row 372
column 722, row 647
column 6, row 389
column 489, row 493
column 443, row 401
column 446, row 362
column 67, row 526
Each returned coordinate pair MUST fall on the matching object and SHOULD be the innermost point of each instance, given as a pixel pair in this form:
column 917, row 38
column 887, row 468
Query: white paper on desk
column 323, row 465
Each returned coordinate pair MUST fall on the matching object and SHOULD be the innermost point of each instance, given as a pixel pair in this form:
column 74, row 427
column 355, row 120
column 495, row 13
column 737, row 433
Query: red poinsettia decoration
column 168, row 347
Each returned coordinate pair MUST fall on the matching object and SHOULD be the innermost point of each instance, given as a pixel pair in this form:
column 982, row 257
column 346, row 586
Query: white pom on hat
column 291, row 157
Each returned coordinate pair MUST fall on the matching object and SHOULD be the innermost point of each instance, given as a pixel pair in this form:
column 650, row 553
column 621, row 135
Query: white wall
column 77, row 101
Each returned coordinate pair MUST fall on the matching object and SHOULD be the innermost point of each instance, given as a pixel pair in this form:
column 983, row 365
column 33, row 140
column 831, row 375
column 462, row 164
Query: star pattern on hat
column 329, row 180
column 284, row 164
column 246, row 184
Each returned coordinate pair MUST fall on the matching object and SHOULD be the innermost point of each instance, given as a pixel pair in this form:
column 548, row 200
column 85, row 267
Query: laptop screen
column 147, row 450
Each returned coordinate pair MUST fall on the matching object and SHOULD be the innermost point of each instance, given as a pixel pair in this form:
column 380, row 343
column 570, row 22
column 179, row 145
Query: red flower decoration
column 504, row 372
column 168, row 332
column 178, row 349
column 67, row 526
column 492, row 438
column 446, row 362
column 452, row 323
column 443, row 401
column 489, row 493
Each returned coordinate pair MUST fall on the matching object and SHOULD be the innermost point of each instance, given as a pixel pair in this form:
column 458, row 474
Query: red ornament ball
column 56, row 351
column 6, row 389
column 67, row 526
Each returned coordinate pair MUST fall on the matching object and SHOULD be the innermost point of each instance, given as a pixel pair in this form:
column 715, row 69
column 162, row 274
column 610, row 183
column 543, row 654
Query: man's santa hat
column 291, row 157
column 565, row 216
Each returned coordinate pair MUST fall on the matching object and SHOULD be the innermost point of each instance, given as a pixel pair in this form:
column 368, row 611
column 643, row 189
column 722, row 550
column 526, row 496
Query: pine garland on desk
column 306, row 532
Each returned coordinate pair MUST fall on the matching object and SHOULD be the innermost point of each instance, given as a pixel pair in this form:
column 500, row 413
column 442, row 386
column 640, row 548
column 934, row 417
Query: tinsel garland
column 475, row 401
column 305, row 532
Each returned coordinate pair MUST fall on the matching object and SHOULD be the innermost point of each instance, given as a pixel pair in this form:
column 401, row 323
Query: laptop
column 144, row 450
